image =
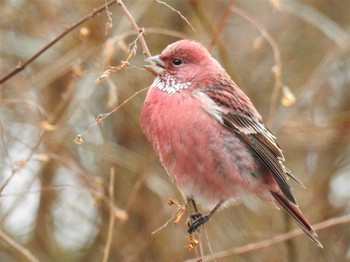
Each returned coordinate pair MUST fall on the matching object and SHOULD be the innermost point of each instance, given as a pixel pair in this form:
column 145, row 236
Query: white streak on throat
column 169, row 85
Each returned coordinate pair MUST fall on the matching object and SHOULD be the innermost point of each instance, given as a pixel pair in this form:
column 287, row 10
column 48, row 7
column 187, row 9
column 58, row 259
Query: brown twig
column 314, row 17
column 277, row 68
column 21, row 164
column 210, row 249
column 146, row 52
column 131, row 52
column 275, row 240
column 109, row 23
column 175, row 219
column 103, row 7
column 221, row 24
column 144, row 173
column 150, row 30
column 177, row 11
column 111, row 217
column 21, row 249
column 79, row 138
column 21, row 65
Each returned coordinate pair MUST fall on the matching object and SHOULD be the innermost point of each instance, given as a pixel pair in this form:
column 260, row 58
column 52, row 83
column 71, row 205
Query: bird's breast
column 200, row 154
column 176, row 126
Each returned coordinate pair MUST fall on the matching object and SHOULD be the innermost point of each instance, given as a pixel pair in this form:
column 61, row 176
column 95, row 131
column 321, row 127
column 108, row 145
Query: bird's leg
column 192, row 216
column 193, row 203
column 197, row 219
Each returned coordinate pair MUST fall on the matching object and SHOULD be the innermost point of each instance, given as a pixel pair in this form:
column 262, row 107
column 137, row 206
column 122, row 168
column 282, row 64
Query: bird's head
column 179, row 65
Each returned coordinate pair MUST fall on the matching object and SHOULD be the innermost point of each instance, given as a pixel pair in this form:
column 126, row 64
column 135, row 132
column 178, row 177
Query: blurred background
column 100, row 200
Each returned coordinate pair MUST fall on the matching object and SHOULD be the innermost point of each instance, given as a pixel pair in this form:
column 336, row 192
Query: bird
column 210, row 138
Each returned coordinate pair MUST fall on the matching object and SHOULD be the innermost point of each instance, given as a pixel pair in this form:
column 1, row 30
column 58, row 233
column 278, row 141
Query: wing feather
column 239, row 115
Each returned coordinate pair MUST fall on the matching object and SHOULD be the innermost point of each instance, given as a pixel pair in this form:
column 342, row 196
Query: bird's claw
column 196, row 220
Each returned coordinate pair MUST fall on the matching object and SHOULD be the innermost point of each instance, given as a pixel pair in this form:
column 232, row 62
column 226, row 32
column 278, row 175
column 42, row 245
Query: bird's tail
column 298, row 217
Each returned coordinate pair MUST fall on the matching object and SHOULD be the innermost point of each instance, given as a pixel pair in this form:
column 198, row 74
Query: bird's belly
column 208, row 169
column 207, row 161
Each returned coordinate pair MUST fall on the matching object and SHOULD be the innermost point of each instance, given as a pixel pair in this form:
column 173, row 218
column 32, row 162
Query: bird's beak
column 157, row 65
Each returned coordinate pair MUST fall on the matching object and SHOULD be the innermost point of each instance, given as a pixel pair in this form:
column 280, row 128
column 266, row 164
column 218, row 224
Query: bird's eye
column 177, row 62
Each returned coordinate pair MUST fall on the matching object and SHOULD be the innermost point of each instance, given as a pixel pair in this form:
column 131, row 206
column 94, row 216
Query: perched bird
column 210, row 138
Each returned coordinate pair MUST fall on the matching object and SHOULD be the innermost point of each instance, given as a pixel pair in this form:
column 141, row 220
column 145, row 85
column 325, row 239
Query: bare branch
column 277, row 68
column 111, row 217
column 221, row 24
column 131, row 52
column 146, row 52
column 175, row 218
column 99, row 118
column 21, row 65
column 21, row 164
column 275, row 240
column 21, row 249
column 103, row 7
column 109, row 23
column 317, row 19
column 177, row 11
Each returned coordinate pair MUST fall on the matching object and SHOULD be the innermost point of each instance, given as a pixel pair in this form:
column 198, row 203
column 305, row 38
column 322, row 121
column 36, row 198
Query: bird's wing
column 235, row 111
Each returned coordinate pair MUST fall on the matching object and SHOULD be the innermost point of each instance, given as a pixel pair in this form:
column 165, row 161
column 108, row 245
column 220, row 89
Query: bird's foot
column 196, row 220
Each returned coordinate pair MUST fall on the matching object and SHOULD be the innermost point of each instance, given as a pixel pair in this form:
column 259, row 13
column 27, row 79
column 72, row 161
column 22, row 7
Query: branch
column 316, row 18
column 277, row 68
column 79, row 138
column 21, row 65
column 111, row 217
column 275, row 240
column 221, row 24
column 103, row 7
column 25, row 252
column 139, row 30
column 179, row 13
column 131, row 52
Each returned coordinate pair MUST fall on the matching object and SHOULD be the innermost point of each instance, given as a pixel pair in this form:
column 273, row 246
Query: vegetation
column 78, row 180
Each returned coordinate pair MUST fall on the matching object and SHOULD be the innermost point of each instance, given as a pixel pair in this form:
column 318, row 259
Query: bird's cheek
column 185, row 76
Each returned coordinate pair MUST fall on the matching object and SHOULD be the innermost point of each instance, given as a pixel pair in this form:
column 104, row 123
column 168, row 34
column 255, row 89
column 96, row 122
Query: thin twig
column 275, row 240
column 143, row 175
column 146, row 52
column 277, row 68
column 21, row 249
column 150, row 30
column 21, row 164
column 201, row 244
column 101, row 117
column 221, row 24
column 109, row 24
column 177, row 11
column 164, row 31
column 176, row 217
column 208, row 241
column 314, row 17
column 111, row 217
column 165, row 224
column 21, row 65
column 131, row 52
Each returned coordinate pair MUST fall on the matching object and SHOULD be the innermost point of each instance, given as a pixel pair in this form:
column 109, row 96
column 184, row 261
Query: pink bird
column 210, row 138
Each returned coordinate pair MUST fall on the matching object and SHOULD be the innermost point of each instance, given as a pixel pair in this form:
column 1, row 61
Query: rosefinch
column 210, row 138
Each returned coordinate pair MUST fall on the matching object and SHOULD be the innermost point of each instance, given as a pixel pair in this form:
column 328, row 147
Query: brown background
column 55, row 197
